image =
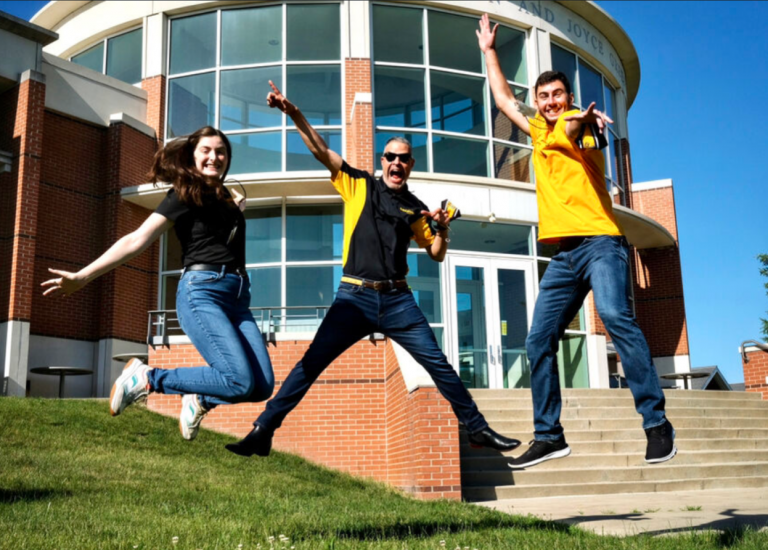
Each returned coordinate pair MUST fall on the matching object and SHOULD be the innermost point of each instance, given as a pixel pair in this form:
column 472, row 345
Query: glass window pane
column 193, row 43
column 313, row 32
column 512, row 163
column 263, row 234
column 424, row 279
column 397, row 35
column 317, row 89
column 92, row 59
column 191, row 104
column 460, row 156
column 400, row 98
column 242, row 99
column 252, row 36
column 253, row 153
column 503, row 128
column 314, row 233
column 309, row 286
column 610, row 101
column 170, row 285
column 172, row 251
column 591, row 84
column 499, row 238
column 124, row 57
column 471, row 328
column 565, row 62
column 458, row 103
column 572, row 358
column 453, row 43
column 299, row 157
column 510, row 47
column 419, row 149
column 266, row 288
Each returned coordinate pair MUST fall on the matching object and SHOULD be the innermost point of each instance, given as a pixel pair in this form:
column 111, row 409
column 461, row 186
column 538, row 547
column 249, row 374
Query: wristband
column 441, row 227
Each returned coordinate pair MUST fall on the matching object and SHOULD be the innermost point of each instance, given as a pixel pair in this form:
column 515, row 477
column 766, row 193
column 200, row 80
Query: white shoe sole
column 562, row 453
column 188, row 432
column 116, row 395
column 670, row 456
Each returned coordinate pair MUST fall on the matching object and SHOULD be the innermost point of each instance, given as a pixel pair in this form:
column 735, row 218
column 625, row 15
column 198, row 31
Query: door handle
column 490, row 355
column 501, row 357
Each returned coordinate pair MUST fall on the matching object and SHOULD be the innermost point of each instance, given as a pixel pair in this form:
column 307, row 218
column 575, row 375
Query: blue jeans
column 599, row 263
column 213, row 312
column 355, row 313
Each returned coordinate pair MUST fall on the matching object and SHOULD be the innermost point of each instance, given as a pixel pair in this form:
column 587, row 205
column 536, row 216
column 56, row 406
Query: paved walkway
column 649, row 513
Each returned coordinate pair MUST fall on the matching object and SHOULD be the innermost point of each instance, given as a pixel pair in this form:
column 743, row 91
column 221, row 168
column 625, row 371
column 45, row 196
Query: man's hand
column 591, row 116
column 65, row 284
column 439, row 216
column 276, row 99
column 486, row 38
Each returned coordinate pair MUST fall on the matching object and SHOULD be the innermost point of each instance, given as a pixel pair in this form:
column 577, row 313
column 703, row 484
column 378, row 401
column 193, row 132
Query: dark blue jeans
column 599, row 263
column 355, row 313
column 213, row 311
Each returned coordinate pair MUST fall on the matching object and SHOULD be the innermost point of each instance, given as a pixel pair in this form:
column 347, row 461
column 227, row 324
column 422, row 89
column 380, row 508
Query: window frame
column 286, row 125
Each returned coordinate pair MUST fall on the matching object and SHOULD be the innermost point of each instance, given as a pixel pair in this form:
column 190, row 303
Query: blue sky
column 697, row 120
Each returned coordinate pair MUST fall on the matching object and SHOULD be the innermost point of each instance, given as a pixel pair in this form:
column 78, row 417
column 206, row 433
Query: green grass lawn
column 72, row 477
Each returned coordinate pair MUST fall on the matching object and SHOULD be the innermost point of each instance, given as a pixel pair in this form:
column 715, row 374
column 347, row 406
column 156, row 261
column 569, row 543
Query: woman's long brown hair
column 175, row 164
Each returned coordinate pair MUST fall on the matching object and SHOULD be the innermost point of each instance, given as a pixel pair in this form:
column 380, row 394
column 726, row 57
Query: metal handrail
column 161, row 322
column 742, row 348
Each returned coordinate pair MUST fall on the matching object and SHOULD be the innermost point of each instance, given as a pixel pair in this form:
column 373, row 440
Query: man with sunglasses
column 576, row 213
column 381, row 216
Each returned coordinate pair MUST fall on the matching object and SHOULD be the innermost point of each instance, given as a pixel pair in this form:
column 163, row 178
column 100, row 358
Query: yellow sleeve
column 347, row 182
column 422, row 233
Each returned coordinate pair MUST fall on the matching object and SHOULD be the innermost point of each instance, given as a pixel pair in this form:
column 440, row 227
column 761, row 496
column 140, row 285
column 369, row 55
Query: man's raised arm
column 505, row 99
column 312, row 139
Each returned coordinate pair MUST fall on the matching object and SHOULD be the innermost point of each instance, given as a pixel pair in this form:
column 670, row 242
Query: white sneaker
column 192, row 413
column 129, row 387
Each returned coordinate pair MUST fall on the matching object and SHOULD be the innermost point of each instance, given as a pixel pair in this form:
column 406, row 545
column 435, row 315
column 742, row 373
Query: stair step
column 525, row 433
column 632, row 446
column 598, row 424
column 477, row 494
column 615, row 393
column 625, row 412
column 579, row 461
column 566, row 476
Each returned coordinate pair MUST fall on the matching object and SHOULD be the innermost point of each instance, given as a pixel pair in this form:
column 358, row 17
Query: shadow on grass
column 9, row 496
column 426, row 529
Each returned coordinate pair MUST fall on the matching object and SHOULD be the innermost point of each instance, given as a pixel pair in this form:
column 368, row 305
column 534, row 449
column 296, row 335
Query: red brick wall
column 155, row 88
column 359, row 151
column 10, row 143
column 358, row 417
column 755, row 373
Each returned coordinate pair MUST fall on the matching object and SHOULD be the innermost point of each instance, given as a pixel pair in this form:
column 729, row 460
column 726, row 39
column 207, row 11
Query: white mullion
column 250, row 66
column 193, row 73
column 512, row 143
column 400, row 65
column 342, row 73
column 427, row 91
column 262, row 265
column 400, row 129
column 161, row 277
column 491, row 156
column 284, row 130
column 217, row 84
column 283, row 255
column 104, row 58
column 252, row 131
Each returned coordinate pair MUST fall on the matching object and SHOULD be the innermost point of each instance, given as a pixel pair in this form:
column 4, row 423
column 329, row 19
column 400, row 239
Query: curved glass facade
column 118, row 56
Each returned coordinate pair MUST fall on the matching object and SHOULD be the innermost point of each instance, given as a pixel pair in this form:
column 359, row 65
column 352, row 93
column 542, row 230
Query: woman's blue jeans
column 355, row 313
column 213, row 312
column 599, row 263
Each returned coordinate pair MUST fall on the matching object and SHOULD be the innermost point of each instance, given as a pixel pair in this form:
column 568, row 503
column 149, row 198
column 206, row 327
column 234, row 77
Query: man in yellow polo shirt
column 576, row 213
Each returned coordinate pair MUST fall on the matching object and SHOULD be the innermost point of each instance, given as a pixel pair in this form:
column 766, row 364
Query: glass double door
column 492, row 307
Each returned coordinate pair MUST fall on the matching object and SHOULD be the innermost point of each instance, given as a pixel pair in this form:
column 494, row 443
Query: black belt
column 379, row 286
column 567, row 244
column 240, row 271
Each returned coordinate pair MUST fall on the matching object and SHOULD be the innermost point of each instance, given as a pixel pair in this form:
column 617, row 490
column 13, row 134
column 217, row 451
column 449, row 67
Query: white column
column 597, row 358
column 14, row 350
column 155, row 45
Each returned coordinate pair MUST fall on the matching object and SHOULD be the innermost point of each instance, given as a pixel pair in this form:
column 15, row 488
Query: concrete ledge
column 133, row 123
column 648, row 185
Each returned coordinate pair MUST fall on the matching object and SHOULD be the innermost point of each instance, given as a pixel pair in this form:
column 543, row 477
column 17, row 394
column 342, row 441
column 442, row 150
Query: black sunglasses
column 405, row 158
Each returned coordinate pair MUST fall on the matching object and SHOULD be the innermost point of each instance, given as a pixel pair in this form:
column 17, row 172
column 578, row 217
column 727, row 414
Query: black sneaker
column 661, row 443
column 540, row 451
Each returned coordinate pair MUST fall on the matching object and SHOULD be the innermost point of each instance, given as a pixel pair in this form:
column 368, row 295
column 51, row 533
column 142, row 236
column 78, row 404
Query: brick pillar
column 27, row 122
column 359, row 111
column 155, row 88
column 756, row 371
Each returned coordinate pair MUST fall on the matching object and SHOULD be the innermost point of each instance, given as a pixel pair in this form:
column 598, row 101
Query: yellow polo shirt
column 570, row 185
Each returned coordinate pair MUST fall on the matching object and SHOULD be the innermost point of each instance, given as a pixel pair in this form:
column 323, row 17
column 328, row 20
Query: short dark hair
column 399, row 139
column 552, row 76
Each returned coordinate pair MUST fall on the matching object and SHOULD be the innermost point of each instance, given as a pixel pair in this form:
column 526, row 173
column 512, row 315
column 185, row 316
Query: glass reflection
column 397, row 35
column 424, row 280
column 471, row 329
column 512, row 163
column 317, row 88
column 510, row 47
column 452, row 42
column 263, row 235
column 124, row 57
column 242, row 99
column 253, row 153
column 565, row 62
column 252, row 36
column 314, row 233
column 400, row 97
column 313, row 32
column 193, row 43
column 497, row 238
column 299, row 157
column 192, row 101
column 458, row 103
column 460, row 156
column 92, row 59
column 591, row 84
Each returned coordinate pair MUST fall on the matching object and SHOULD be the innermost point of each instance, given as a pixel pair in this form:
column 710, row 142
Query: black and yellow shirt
column 378, row 225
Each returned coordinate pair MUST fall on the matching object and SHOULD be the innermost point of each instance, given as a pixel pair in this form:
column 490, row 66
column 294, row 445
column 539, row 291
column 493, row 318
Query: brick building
column 97, row 87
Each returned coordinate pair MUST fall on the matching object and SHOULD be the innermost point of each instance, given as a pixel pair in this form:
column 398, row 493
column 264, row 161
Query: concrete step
column 570, row 413
column 599, row 393
column 525, row 433
column 599, row 424
column 632, row 446
column 567, row 476
column 621, row 402
column 477, row 494
column 580, row 461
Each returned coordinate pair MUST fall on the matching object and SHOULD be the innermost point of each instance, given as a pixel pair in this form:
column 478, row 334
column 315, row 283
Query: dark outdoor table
column 125, row 357
column 61, row 372
column 684, row 376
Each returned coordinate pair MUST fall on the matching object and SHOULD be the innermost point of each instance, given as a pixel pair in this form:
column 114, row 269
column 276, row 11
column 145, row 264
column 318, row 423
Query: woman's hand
column 65, row 284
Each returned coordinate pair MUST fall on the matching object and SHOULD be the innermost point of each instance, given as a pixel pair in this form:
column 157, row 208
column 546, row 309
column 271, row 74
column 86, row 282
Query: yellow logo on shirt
column 406, row 211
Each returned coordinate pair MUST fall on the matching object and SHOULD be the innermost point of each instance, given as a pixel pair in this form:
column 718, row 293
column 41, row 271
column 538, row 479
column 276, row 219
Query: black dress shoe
column 258, row 442
column 489, row 438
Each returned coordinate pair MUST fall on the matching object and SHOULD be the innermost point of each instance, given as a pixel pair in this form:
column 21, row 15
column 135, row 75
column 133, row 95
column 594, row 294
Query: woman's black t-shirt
column 210, row 234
